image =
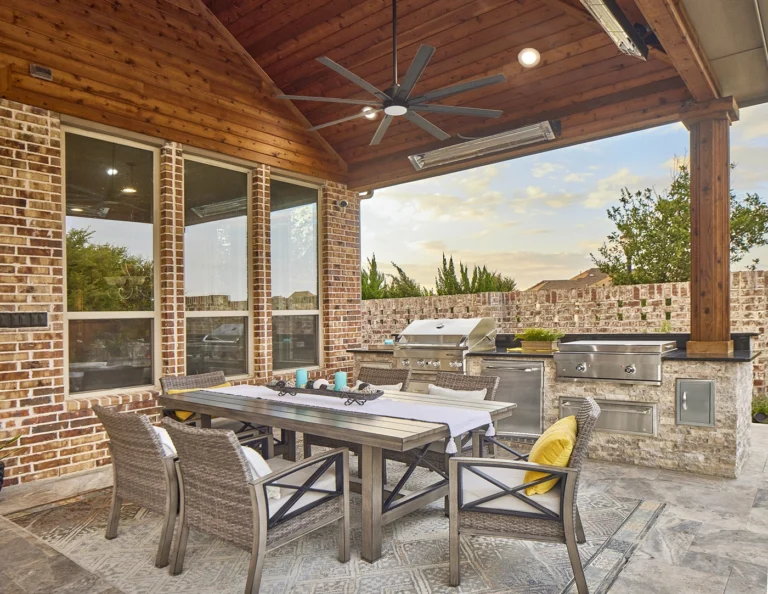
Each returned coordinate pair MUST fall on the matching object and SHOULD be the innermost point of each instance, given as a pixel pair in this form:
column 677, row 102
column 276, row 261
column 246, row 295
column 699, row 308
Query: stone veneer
column 627, row 309
column 60, row 434
column 721, row 450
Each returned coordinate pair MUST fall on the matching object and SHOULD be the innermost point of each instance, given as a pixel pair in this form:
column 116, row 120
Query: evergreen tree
column 374, row 284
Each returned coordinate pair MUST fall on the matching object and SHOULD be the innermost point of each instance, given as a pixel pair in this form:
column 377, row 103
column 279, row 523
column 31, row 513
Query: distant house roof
column 589, row 278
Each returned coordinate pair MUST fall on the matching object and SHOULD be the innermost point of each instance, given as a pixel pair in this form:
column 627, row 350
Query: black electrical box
column 23, row 319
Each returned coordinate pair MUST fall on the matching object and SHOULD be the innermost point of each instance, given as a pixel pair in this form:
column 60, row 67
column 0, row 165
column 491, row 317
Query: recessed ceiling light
column 112, row 171
column 529, row 57
column 128, row 190
column 370, row 113
column 76, row 209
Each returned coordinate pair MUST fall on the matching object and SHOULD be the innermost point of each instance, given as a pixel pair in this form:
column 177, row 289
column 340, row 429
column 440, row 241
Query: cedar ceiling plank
column 255, row 10
column 437, row 24
column 603, row 122
column 553, row 104
column 5, row 78
column 322, row 32
column 671, row 25
column 299, row 27
column 451, row 43
column 248, row 32
column 248, row 59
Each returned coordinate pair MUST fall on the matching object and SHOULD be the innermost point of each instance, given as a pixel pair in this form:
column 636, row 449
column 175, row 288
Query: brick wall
column 60, row 434
column 640, row 308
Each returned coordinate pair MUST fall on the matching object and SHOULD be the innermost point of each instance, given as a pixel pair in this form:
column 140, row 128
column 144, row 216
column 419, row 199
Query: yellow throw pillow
column 553, row 448
column 183, row 415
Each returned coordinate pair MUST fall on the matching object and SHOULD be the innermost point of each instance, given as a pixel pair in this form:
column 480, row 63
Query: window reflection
column 217, row 344
column 294, row 341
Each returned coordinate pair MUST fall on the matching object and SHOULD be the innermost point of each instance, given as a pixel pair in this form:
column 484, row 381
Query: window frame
column 153, row 315
column 298, row 312
column 248, row 313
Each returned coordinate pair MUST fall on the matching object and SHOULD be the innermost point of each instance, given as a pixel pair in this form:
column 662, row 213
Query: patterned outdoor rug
column 415, row 556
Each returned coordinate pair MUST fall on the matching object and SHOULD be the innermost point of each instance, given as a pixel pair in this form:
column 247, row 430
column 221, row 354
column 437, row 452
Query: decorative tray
column 350, row 396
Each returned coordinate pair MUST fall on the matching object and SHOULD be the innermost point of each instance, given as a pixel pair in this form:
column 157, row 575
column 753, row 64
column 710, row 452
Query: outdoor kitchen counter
column 744, row 356
column 719, row 450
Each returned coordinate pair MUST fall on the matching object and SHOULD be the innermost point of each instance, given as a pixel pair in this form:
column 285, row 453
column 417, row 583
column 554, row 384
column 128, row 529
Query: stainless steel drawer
column 617, row 416
column 521, row 382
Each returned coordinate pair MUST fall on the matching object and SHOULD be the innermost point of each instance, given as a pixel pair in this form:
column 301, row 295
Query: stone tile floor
column 712, row 537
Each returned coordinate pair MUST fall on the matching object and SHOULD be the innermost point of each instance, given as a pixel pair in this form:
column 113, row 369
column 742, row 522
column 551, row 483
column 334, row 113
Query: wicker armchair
column 487, row 496
column 369, row 375
column 142, row 473
column 220, row 496
column 435, row 457
column 246, row 432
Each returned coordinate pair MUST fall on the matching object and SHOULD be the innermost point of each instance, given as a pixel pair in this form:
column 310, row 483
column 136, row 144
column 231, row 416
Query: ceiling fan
column 396, row 101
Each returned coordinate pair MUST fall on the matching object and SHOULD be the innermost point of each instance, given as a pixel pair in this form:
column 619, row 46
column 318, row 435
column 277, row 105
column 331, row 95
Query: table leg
column 371, row 521
column 205, row 421
column 477, row 444
column 289, row 439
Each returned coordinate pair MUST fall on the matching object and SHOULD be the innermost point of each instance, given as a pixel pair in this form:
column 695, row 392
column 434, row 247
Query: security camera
column 343, row 203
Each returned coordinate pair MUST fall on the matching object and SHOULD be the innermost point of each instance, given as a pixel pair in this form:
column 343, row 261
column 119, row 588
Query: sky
column 539, row 217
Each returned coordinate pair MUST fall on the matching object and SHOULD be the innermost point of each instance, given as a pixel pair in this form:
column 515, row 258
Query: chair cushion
column 553, row 448
column 326, row 481
column 183, row 415
column 168, row 448
column 260, row 468
column 433, row 390
column 475, row 487
column 385, row 387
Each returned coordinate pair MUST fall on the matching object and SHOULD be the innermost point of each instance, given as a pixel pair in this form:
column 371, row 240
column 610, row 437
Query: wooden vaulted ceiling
column 583, row 80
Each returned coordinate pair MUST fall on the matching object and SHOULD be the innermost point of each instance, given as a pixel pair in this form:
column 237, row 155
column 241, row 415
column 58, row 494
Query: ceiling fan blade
column 340, row 120
column 456, row 110
column 330, row 100
column 415, row 70
column 338, row 68
column 381, row 130
column 460, row 88
column 426, row 125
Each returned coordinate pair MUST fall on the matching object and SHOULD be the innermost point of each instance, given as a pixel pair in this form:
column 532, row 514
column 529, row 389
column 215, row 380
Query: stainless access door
column 520, row 382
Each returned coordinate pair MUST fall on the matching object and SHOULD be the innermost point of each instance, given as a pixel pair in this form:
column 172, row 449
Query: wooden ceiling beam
column 670, row 23
column 5, row 79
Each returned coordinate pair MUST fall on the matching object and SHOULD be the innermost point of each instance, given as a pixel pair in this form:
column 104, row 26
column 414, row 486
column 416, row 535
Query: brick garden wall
column 60, row 434
column 640, row 308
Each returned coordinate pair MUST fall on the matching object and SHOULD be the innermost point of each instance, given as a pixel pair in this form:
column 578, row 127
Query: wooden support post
column 710, row 235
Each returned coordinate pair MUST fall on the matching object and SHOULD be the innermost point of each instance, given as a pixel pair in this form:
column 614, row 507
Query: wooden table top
column 374, row 430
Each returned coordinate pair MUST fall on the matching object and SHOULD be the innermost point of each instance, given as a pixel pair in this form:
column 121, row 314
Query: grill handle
column 517, row 369
column 644, row 411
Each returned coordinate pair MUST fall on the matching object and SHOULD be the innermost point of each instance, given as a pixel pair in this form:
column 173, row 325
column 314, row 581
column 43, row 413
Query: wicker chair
column 435, row 457
column 219, row 496
column 142, row 473
column 487, row 496
column 369, row 375
column 245, row 431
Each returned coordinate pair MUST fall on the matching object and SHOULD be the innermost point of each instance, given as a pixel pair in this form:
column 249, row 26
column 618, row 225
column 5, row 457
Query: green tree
column 374, row 283
column 105, row 277
column 652, row 241
column 401, row 285
column 446, row 282
column 481, row 280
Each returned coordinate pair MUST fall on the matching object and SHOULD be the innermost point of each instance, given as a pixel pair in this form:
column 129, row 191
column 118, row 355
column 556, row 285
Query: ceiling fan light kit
column 396, row 101
column 543, row 131
column 616, row 24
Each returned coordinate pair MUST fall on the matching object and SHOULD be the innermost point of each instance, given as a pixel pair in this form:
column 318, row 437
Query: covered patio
column 180, row 185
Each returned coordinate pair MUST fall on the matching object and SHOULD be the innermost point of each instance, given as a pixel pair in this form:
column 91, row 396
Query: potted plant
column 5, row 455
column 539, row 339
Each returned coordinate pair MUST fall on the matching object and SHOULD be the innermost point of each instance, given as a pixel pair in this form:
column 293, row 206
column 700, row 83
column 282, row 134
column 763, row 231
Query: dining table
column 381, row 504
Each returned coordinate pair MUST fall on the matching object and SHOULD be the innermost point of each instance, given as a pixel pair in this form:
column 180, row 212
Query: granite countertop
column 678, row 355
column 388, row 351
column 500, row 351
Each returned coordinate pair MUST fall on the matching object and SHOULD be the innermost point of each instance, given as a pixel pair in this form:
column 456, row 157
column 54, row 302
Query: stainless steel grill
column 428, row 346
column 628, row 362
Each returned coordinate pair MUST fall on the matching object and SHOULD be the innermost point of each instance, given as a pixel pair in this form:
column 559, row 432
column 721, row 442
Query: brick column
column 340, row 275
column 171, row 232
column 262, row 273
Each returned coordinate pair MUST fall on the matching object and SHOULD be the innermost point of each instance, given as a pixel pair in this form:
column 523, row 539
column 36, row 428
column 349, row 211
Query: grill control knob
column 630, row 369
column 455, row 364
column 406, row 362
column 435, row 363
column 420, row 362
column 581, row 367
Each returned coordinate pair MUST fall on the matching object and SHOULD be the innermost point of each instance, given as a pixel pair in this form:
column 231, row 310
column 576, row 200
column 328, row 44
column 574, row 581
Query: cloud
column 477, row 180
column 674, row 163
column 545, row 169
column 752, row 124
column 609, row 188
column 577, row 177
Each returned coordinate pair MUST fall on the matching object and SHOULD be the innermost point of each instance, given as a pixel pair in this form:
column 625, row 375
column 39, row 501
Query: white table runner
column 458, row 420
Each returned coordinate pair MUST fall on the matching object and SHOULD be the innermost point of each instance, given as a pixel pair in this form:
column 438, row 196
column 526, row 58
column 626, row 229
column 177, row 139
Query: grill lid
column 458, row 333
column 618, row 346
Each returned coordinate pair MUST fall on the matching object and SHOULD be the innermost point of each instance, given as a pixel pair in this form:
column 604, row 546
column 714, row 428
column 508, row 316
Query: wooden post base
column 709, row 347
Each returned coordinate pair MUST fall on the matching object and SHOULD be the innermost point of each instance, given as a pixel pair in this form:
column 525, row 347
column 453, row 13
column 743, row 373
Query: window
column 216, row 268
column 110, row 253
column 295, row 303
